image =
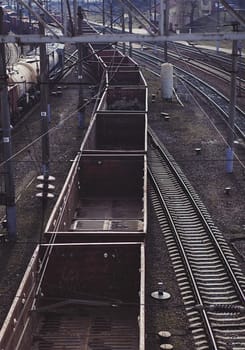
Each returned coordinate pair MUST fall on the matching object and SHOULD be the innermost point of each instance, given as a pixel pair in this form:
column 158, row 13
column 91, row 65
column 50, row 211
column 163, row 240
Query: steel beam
column 37, row 16
column 48, row 14
column 133, row 38
column 140, row 17
column 234, row 13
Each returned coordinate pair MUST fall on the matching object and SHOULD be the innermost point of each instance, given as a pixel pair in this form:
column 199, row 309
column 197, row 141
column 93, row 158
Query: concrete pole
column 71, row 26
column 111, row 15
column 7, row 145
column 123, row 27
column 218, row 24
column 166, row 25
column 232, row 105
column 44, row 104
column 29, row 12
column 81, row 108
column 62, row 14
column 75, row 16
column 155, row 12
column 130, row 27
column 64, row 8
column 21, row 30
column 103, row 15
column 150, row 14
column 162, row 17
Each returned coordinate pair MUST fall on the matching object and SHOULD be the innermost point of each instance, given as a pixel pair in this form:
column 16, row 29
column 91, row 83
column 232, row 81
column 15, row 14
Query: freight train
column 84, row 287
column 23, row 74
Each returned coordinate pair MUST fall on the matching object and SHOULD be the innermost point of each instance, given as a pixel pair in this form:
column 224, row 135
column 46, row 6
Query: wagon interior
column 92, row 298
column 111, row 192
column 85, row 296
column 105, row 197
column 124, row 99
column 117, row 132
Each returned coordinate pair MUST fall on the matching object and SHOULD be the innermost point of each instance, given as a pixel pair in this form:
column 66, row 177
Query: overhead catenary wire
column 77, row 109
column 97, row 94
column 206, row 115
column 58, row 126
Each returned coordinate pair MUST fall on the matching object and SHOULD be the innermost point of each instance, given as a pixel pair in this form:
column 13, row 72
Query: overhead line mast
column 7, row 197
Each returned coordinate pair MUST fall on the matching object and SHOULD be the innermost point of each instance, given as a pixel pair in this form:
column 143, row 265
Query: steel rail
column 196, row 84
column 224, row 73
column 200, row 214
column 192, row 250
column 207, row 54
column 184, row 258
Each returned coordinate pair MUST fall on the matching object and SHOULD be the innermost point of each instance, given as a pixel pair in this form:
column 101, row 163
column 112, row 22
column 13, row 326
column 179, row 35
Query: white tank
column 23, row 75
column 167, row 81
column 12, row 53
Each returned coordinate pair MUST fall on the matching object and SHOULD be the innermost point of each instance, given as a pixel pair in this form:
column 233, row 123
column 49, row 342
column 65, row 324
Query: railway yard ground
column 192, row 137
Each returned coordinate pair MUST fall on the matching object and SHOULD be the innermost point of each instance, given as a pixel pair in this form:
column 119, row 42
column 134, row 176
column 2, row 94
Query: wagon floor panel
column 108, row 214
column 88, row 329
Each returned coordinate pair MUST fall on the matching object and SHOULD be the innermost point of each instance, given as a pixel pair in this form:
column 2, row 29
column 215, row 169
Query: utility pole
column 81, row 108
column 75, row 15
column 44, row 104
column 239, row 48
column 29, row 12
column 155, row 12
column 103, row 15
column 232, row 105
column 163, row 25
column 166, row 24
column 130, row 27
column 21, row 30
column 64, row 15
column 123, row 27
column 7, row 198
column 111, row 14
column 44, row 115
column 218, row 24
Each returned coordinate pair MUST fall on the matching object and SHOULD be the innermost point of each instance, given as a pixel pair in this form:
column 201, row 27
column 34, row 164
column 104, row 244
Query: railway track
column 199, row 54
column 32, row 133
column 15, row 256
column 208, row 275
column 207, row 67
column 217, row 99
column 206, row 57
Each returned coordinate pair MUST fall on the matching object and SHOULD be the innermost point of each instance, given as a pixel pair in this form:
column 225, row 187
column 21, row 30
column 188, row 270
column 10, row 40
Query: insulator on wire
column 45, row 186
